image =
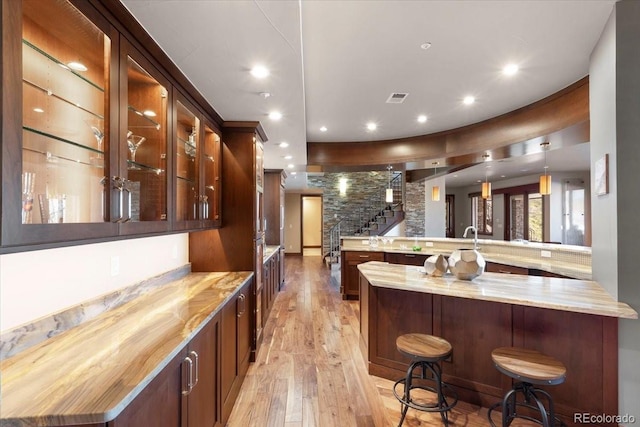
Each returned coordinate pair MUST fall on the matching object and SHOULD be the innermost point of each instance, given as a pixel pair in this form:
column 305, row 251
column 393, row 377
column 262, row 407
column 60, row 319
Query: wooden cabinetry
column 91, row 129
column 271, row 283
column 274, row 194
column 406, row 259
column 349, row 274
column 237, row 245
column 235, row 349
column 185, row 392
column 493, row 267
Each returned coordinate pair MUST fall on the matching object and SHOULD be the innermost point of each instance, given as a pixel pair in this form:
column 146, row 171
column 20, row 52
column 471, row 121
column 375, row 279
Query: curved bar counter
column 574, row 321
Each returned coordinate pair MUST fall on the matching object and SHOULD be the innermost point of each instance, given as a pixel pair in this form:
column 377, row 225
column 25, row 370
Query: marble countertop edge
column 21, row 414
column 410, row 278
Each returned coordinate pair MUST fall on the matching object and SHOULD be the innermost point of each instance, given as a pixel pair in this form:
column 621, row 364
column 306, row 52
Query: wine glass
column 134, row 141
column 99, row 135
column 28, row 183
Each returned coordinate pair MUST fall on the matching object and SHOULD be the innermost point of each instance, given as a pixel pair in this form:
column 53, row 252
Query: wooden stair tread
column 423, row 346
column 528, row 365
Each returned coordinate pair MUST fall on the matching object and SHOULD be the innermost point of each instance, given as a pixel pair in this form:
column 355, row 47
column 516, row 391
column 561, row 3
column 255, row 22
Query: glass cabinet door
column 59, row 82
column 188, row 203
column 211, row 176
column 65, row 81
column 141, row 186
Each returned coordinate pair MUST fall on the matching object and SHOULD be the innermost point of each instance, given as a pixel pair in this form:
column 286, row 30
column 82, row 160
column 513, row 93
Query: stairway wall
column 415, row 208
column 361, row 187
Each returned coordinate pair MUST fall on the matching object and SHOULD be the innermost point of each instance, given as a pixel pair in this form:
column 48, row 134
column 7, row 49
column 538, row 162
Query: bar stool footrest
column 436, row 407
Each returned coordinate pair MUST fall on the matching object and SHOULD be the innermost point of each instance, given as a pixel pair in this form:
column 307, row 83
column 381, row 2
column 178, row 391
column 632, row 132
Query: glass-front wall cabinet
column 211, row 175
column 188, row 202
column 142, row 186
column 65, row 87
column 92, row 139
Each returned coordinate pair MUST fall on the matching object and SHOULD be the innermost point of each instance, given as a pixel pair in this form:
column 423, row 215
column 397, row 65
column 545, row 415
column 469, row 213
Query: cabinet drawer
column 364, row 256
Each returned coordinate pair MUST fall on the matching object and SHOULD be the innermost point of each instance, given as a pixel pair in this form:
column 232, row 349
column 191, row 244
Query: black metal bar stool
column 426, row 351
column 527, row 367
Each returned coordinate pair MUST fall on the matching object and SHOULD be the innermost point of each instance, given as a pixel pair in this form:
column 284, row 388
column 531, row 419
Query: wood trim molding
column 561, row 110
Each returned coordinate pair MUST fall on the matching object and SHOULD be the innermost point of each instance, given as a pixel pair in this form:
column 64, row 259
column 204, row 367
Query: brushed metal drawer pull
column 504, row 271
column 189, row 377
column 197, row 367
column 364, row 256
column 409, row 256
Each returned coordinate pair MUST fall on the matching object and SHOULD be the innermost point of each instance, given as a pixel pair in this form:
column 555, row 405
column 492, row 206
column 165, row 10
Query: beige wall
column 311, row 221
column 292, row 223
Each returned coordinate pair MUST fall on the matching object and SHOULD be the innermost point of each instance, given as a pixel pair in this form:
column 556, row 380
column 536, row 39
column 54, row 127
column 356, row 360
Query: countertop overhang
column 580, row 296
column 90, row 373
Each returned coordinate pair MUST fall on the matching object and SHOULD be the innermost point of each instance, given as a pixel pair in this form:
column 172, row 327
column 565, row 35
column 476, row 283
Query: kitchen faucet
column 475, row 239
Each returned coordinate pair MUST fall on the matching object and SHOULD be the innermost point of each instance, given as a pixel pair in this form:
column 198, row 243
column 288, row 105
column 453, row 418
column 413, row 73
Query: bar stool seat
column 426, row 352
column 527, row 367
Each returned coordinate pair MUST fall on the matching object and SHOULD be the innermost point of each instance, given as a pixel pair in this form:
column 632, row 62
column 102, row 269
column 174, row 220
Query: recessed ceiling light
column 425, row 45
column 510, row 69
column 275, row 115
column 265, row 95
column 503, row 176
column 290, row 165
column 455, row 176
column 479, row 180
column 259, row 72
column 468, row 100
column 38, row 110
column 294, row 173
column 283, row 144
column 422, row 119
column 372, row 126
column 77, row 66
column 323, row 129
column 288, row 157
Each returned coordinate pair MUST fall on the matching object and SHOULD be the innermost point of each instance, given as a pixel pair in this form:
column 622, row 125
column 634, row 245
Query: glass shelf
column 48, row 92
column 140, row 120
column 189, row 180
column 137, row 166
column 66, row 141
column 61, row 64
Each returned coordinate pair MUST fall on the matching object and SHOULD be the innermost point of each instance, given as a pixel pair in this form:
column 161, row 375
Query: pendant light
column 389, row 193
column 486, row 185
column 435, row 190
column 545, row 180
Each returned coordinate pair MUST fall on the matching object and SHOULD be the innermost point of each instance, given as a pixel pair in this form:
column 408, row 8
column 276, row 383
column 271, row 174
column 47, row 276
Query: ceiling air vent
column 397, row 98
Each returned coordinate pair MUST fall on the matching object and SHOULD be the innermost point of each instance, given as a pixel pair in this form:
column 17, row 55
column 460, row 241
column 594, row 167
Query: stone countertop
column 269, row 251
column 553, row 265
column 90, row 373
column 578, row 296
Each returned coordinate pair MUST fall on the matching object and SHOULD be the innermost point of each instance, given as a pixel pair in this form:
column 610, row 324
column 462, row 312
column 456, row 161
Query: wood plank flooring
column 310, row 371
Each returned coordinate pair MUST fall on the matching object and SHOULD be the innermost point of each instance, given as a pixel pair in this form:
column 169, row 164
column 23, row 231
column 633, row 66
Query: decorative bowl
column 436, row 265
column 466, row 264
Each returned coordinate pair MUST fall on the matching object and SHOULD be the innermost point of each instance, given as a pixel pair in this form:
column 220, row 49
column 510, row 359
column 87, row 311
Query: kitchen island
column 575, row 321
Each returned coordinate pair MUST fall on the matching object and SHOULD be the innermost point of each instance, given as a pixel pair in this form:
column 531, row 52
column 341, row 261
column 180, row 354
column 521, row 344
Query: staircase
column 374, row 219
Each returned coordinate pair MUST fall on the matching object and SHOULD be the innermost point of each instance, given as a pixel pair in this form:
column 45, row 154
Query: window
column 482, row 214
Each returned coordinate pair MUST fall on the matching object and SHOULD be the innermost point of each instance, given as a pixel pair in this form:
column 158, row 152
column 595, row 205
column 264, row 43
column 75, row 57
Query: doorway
column 524, row 215
column 573, row 213
column 311, row 226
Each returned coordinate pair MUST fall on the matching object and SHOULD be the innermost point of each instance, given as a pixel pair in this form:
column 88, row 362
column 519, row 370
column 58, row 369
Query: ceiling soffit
column 504, row 136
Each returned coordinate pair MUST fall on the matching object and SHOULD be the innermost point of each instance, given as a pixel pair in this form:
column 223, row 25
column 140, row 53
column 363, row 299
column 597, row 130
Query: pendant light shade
column 435, row 193
column 389, row 193
column 545, row 184
column 486, row 190
column 545, row 180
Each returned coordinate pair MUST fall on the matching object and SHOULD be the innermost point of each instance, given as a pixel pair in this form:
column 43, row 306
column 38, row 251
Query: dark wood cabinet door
column 406, row 259
column 244, row 329
column 228, row 355
column 350, row 274
column 161, row 403
column 203, row 402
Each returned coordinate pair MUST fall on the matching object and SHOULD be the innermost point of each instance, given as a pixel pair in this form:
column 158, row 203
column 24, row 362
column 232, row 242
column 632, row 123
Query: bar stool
column 426, row 351
column 527, row 367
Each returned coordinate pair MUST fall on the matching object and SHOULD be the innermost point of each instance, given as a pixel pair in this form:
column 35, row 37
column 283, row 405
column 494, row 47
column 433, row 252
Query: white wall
column 435, row 223
column 39, row 283
column 615, row 128
column 292, row 223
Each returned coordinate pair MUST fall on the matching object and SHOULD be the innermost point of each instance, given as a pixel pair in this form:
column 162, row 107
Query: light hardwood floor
column 310, row 371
